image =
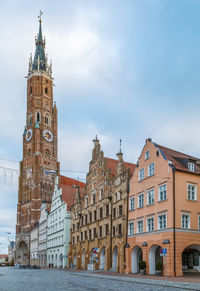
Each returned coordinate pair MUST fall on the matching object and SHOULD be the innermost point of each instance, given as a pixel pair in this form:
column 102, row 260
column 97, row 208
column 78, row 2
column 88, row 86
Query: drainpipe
column 127, row 202
column 174, row 219
column 110, row 199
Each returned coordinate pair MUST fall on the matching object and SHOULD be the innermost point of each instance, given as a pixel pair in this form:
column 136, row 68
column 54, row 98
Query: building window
column 85, row 234
column 107, row 229
column 90, row 233
column 131, row 228
column 150, row 197
column 107, row 209
column 162, row 221
column 150, row 224
column 38, row 117
column 151, row 169
column 81, row 236
column 191, row 166
column 95, row 215
column 114, row 212
column 140, row 200
column 93, row 197
column 100, row 231
column 120, row 210
column 185, row 221
column 192, row 192
column 46, row 119
column 120, row 229
column 94, row 231
column 140, row 226
column 46, row 90
column 162, row 192
column 101, row 213
column 147, row 155
column 90, row 217
column 132, row 203
column 199, row 222
column 141, row 174
column 113, row 230
column 86, row 201
column 101, row 193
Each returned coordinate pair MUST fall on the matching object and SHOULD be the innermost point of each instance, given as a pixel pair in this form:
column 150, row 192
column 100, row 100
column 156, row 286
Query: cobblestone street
column 22, row 279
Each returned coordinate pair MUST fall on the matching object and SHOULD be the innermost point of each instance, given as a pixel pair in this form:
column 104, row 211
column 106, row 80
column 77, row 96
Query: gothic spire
column 40, row 61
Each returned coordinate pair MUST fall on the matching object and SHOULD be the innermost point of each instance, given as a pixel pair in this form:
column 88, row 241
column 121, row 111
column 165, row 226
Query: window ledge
column 140, row 207
column 150, row 204
column 159, row 201
column 192, row 200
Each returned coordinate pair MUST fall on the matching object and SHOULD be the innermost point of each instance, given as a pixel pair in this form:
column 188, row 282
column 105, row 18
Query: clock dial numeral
column 48, row 135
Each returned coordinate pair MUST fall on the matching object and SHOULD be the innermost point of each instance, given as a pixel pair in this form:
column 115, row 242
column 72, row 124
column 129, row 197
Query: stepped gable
column 178, row 159
column 68, row 191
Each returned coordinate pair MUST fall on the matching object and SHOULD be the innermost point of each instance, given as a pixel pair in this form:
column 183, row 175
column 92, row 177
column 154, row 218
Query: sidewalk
column 192, row 282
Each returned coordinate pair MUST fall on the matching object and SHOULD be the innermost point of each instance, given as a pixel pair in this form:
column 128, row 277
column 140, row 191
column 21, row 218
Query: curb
column 152, row 282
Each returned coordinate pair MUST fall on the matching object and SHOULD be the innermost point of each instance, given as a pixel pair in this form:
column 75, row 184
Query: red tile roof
column 68, row 191
column 112, row 165
column 178, row 159
column 3, row 256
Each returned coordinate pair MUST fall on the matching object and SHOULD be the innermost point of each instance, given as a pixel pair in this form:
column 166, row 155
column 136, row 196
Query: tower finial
column 39, row 16
column 120, row 146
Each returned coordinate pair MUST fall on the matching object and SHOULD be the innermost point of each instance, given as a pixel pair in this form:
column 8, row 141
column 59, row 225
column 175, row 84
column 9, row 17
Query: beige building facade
column 98, row 217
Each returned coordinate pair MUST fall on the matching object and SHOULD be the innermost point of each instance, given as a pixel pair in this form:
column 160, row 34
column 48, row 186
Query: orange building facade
column 164, row 212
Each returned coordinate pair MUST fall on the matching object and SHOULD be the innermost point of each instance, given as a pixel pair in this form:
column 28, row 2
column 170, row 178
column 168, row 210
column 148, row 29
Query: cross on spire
column 39, row 16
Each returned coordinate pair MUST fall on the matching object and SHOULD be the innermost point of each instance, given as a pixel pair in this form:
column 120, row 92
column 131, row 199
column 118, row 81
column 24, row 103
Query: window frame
column 147, row 155
column 139, row 195
column 141, row 177
column 129, row 223
column 148, row 192
column 148, row 218
column 188, row 215
column 138, row 221
column 158, row 222
column 132, row 198
column 193, row 185
column 151, row 170
column 164, row 184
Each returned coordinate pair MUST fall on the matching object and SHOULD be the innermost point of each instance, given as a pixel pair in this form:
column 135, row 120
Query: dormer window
column 191, row 166
column 147, row 155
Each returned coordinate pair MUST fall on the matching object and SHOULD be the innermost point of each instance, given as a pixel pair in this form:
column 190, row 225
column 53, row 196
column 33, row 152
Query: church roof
column 68, row 191
column 39, row 57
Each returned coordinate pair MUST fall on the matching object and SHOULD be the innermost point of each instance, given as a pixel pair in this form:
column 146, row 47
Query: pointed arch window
column 46, row 90
column 46, row 119
column 31, row 90
column 30, row 119
column 38, row 118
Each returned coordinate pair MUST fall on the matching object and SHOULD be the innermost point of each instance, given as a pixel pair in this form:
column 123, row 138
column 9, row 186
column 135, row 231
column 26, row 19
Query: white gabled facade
column 34, row 245
column 42, row 236
column 58, row 230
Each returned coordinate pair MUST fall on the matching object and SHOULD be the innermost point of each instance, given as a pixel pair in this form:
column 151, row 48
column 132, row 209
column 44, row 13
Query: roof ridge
column 175, row 151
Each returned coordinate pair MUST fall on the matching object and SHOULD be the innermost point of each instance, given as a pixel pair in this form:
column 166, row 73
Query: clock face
column 48, row 135
column 29, row 134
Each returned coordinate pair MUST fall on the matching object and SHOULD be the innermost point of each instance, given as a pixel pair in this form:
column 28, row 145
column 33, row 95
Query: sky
column 125, row 70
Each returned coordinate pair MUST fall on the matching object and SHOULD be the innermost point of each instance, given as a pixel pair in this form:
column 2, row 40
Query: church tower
column 40, row 158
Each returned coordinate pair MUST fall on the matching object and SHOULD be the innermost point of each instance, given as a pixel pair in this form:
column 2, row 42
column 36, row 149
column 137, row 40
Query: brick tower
column 39, row 161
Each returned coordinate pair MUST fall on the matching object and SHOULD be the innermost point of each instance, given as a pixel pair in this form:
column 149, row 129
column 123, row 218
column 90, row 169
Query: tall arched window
column 30, row 119
column 38, row 117
column 46, row 119
column 46, row 90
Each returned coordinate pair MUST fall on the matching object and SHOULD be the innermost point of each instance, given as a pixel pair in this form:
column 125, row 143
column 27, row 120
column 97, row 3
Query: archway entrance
column 74, row 262
column 83, row 259
column 102, row 259
column 154, row 258
column 114, row 260
column 191, row 258
column 23, row 253
column 136, row 257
